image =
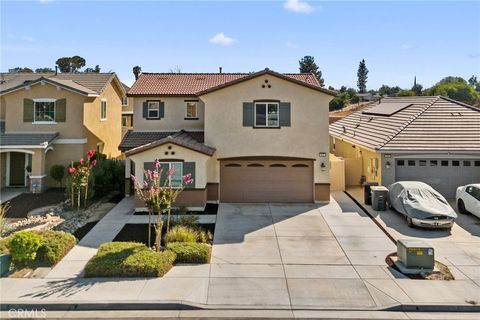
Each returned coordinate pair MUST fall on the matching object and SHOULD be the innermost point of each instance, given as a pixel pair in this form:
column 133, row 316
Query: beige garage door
column 257, row 180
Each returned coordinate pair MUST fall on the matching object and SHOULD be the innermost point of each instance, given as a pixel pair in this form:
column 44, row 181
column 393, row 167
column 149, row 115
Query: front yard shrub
column 188, row 252
column 24, row 246
column 55, row 246
column 182, row 234
column 108, row 176
column 4, row 244
column 57, row 172
column 129, row 259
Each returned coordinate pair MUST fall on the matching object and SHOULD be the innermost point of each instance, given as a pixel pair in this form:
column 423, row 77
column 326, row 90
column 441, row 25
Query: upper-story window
column 44, row 110
column 191, row 110
column 266, row 114
column 125, row 101
column 153, row 109
column 103, row 110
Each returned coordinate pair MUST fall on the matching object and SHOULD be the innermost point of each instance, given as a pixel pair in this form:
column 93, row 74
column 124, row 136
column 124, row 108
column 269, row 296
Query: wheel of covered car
column 461, row 207
column 409, row 222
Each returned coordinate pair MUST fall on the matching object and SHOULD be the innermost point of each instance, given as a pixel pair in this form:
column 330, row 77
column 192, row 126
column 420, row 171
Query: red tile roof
column 193, row 83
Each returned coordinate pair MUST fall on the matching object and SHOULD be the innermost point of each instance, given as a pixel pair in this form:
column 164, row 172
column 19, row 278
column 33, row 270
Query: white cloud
column 289, row 44
column 222, row 39
column 28, row 39
column 298, row 6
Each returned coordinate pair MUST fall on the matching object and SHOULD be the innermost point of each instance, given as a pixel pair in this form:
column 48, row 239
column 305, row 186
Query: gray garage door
column 442, row 174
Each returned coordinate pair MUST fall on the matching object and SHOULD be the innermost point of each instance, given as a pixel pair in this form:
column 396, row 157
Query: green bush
column 57, row 172
column 4, row 244
column 190, row 252
column 185, row 220
column 181, row 234
column 55, row 246
column 24, row 246
column 107, row 176
column 129, row 259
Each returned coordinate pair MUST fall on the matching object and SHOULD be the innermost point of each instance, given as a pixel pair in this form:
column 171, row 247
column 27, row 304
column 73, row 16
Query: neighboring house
column 54, row 119
column 431, row 139
column 258, row 137
column 127, row 111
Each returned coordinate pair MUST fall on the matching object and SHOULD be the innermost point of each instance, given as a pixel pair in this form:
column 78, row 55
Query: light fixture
column 388, row 164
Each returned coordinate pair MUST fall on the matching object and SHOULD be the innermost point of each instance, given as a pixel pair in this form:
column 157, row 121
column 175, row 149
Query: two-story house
column 244, row 137
column 52, row 119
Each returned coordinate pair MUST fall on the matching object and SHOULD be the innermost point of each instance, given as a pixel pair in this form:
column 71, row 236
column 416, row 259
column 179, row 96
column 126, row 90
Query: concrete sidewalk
column 72, row 265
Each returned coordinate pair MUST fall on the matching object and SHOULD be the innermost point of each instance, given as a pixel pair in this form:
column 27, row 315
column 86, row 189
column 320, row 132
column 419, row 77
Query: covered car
column 422, row 205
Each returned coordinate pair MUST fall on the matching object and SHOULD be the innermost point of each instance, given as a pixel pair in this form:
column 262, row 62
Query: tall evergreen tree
column 362, row 75
column 307, row 65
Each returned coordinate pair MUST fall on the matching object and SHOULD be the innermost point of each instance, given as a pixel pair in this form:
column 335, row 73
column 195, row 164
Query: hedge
column 56, row 244
column 188, row 252
column 49, row 247
column 129, row 259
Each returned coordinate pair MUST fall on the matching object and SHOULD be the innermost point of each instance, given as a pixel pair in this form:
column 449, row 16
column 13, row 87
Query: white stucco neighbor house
column 245, row 137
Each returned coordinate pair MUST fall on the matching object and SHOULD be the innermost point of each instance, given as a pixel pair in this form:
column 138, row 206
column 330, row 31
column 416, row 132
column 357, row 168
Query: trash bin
column 367, row 195
column 379, row 198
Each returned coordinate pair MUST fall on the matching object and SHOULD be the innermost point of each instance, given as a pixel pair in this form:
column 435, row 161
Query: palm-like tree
column 136, row 71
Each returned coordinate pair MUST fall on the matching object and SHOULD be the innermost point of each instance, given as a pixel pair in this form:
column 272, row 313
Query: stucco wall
column 305, row 138
column 348, row 150
column 62, row 154
column 175, row 110
column 181, row 153
column 72, row 128
column 108, row 131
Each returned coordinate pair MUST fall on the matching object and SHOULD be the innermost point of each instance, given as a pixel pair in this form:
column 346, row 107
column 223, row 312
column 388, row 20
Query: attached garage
column 444, row 175
column 266, row 180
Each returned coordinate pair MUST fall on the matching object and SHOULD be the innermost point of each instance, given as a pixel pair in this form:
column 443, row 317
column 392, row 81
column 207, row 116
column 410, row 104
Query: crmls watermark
column 27, row 313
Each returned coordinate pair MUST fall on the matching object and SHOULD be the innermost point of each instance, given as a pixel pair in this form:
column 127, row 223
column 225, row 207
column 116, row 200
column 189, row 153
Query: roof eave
column 161, row 142
column 270, row 72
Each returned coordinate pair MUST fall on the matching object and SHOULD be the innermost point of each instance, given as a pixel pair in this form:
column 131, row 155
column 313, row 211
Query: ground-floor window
column 175, row 180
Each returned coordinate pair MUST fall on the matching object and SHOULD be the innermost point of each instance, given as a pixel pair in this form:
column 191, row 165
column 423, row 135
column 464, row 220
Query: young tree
column 362, row 75
column 474, row 83
column 92, row 70
column 307, row 65
column 137, row 70
column 176, row 69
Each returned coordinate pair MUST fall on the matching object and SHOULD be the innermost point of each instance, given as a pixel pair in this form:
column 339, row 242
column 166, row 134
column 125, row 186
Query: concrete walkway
column 105, row 230
column 7, row 194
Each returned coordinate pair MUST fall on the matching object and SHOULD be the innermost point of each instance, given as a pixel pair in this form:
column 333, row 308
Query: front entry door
column 17, row 169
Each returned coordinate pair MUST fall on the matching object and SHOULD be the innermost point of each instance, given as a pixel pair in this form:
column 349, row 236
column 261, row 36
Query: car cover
column 418, row 200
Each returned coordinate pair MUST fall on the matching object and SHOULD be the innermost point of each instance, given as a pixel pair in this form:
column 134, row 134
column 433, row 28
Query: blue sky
column 398, row 40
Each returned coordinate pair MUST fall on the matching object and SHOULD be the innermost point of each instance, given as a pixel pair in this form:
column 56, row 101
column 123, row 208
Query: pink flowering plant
column 79, row 179
column 159, row 197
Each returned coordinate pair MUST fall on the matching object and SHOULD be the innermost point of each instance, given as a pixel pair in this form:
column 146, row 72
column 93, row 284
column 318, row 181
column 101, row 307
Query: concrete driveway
column 287, row 255
column 458, row 248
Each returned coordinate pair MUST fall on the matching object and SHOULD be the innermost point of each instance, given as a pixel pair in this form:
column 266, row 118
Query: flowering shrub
column 79, row 179
column 158, row 197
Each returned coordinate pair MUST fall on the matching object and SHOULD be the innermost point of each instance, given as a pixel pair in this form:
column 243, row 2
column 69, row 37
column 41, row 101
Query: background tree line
column 64, row 65
column 455, row 88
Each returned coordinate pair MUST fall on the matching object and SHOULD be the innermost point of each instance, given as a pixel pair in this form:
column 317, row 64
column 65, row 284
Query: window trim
column 124, row 99
column 187, row 117
column 54, row 110
column 266, row 103
column 158, row 109
column 169, row 163
column 101, row 110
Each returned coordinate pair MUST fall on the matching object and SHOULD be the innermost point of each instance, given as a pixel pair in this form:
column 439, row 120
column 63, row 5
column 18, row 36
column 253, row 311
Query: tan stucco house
column 52, row 119
column 431, row 139
column 245, row 137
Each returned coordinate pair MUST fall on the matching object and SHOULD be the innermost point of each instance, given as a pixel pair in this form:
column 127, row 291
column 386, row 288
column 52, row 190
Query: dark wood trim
column 266, row 100
column 323, row 184
column 260, row 127
column 191, row 100
column 191, row 118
